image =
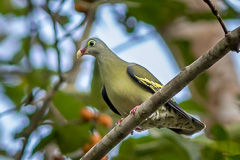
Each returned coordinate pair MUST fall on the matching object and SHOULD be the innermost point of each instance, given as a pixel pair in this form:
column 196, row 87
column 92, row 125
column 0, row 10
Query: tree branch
column 37, row 118
column 48, row 97
column 56, row 38
column 215, row 12
column 73, row 72
column 117, row 134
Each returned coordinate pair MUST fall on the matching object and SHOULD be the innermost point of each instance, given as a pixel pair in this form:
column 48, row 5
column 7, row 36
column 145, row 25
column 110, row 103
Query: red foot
column 119, row 122
column 134, row 110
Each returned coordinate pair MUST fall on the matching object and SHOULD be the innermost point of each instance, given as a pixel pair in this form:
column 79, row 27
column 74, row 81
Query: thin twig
column 46, row 123
column 37, row 118
column 73, row 72
column 52, row 15
column 118, row 133
column 72, row 30
column 46, row 100
column 215, row 12
column 60, row 6
column 56, row 44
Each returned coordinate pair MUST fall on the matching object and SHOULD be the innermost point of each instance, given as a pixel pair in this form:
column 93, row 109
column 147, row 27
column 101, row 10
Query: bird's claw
column 137, row 129
column 132, row 132
column 133, row 111
column 119, row 122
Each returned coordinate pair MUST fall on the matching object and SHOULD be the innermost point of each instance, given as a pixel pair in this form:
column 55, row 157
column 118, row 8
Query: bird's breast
column 125, row 93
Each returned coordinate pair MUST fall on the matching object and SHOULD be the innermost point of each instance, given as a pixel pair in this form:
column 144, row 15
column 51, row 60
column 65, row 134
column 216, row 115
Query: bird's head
column 91, row 46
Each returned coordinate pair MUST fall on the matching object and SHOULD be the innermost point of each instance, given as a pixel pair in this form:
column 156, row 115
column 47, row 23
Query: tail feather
column 199, row 126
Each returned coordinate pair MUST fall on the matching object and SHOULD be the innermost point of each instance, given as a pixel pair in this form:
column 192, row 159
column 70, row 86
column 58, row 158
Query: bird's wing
column 107, row 100
column 147, row 80
column 144, row 77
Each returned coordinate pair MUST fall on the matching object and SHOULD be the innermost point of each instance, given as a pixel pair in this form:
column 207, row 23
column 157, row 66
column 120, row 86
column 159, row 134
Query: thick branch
column 117, row 134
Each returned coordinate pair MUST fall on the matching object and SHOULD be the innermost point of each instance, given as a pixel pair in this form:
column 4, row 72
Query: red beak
column 83, row 50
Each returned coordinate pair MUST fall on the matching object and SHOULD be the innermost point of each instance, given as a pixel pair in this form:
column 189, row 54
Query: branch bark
column 117, row 134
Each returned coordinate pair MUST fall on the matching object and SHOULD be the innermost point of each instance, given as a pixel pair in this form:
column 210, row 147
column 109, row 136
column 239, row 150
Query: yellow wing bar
column 153, row 85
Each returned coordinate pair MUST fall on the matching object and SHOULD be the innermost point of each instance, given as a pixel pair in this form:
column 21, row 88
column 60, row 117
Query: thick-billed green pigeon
column 128, row 85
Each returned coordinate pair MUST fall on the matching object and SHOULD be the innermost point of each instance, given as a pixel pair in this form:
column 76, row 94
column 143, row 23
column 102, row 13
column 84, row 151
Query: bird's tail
column 199, row 126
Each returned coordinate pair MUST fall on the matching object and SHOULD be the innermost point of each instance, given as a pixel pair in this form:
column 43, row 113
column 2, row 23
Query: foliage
column 26, row 84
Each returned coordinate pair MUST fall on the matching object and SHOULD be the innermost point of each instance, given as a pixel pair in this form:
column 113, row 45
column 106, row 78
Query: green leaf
column 45, row 141
column 219, row 133
column 101, row 129
column 238, row 97
column 62, row 20
column 232, row 157
column 17, row 57
column 69, row 137
column 234, row 132
column 2, row 37
column 6, row 7
column 72, row 137
column 227, row 13
column 39, row 78
column 184, row 46
column 191, row 149
column 225, row 146
column 199, row 83
column 15, row 93
column 156, row 13
column 161, row 13
column 211, row 154
column 229, row 147
column 26, row 45
column 160, row 146
column 193, row 107
column 67, row 105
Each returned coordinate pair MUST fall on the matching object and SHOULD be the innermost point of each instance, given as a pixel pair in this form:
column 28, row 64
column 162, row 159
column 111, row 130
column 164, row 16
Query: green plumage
column 126, row 85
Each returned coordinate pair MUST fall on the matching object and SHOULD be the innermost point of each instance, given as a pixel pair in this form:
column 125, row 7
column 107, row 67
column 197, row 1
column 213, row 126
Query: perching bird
column 126, row 85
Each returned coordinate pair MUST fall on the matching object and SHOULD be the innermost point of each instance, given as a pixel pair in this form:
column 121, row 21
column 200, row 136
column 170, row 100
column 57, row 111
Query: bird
column 127, row 85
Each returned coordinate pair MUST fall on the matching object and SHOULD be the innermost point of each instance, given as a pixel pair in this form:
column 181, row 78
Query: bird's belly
column 126, row 96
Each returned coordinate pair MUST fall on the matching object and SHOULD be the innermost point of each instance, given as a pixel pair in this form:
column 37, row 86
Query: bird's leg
column 132, row 132
column 138, row 129
column 119, row 122
column 133, row 113
column 134, row 110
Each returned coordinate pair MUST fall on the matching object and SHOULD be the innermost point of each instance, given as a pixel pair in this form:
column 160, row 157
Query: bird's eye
column 91, row 43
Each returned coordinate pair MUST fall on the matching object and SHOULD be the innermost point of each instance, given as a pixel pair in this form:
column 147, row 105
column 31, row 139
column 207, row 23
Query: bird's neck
column 111, row 66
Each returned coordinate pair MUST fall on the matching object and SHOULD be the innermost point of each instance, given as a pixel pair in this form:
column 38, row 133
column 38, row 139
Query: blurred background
column 50, row 102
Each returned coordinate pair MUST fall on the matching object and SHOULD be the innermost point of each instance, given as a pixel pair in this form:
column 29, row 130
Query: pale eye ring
column 91, row 43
